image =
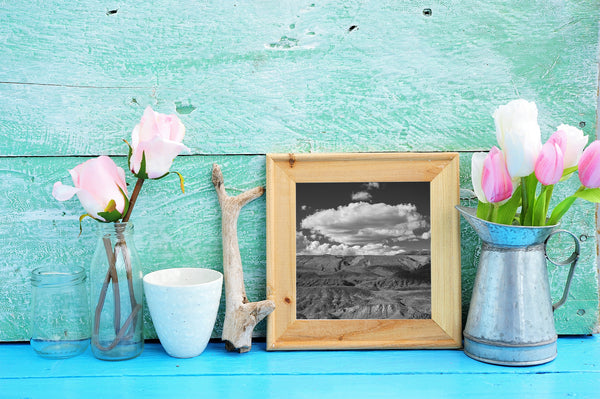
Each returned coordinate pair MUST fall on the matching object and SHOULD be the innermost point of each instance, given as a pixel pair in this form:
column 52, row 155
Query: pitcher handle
column 570, row 260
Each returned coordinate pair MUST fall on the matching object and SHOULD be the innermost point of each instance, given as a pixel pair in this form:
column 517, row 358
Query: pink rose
column 495, row 179
column 100, row 186
column 156, row 139
column 549, row 165
column 589, row 166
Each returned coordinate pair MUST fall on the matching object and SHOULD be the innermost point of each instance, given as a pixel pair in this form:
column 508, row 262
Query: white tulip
column 518, row 135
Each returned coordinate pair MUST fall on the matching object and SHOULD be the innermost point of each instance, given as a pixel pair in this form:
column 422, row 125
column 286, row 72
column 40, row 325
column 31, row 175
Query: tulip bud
column 100, row 186
column 571, row 141
column 476, row 171
column 155, row 142
column 549, row 165
column 589, row 166
column 518, row 135
column 495, row 179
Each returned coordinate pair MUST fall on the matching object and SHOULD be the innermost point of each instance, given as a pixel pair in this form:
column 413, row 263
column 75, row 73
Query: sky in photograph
column 362, row 218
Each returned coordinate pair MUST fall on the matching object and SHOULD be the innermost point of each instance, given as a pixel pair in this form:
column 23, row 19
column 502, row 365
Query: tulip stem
column 524, row 200
column 134, row 195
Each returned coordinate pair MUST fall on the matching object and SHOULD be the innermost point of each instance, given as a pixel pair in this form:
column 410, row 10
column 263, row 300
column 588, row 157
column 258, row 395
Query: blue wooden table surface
column 260, row 374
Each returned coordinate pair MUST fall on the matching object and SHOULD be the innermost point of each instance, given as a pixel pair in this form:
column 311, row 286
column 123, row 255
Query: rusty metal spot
column 427, row 12
column 292, row 160
column 287, row 300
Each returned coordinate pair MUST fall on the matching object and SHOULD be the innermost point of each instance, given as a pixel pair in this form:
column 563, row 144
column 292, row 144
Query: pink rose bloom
column 571, row 142
column 97, row 181
column 495, row 179
column 158, row 138
column 549, row 165
column 589, row 166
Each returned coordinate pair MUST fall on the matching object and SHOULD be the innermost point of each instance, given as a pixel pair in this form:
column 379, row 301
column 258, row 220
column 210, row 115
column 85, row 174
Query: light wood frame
column 443, row 330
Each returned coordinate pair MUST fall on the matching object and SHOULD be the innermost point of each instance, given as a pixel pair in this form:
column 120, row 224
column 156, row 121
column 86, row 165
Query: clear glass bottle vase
column 116, row 294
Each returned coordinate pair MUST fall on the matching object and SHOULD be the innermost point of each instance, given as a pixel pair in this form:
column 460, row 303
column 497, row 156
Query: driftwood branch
column 241, row 316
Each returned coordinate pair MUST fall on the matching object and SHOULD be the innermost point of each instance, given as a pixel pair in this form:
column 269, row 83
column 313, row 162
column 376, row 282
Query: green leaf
column 126, row 207
column 141, row 174
column 568, row 173
column 589, row 194
column 111, row 214
column 560, row 210
column 85, row 215
column 508, row 210
column 539, row 214
column 484, row 209
column 530, row 183
column 129, row 154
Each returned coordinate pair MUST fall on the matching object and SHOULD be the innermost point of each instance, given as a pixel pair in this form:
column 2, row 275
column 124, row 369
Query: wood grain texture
column 323, row 374
column 442, row 330
column 171, row 229
column 290, row 76
column 271, row 76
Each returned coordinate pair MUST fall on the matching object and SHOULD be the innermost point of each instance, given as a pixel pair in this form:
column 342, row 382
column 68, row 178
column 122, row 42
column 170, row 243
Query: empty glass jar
column 60, row 315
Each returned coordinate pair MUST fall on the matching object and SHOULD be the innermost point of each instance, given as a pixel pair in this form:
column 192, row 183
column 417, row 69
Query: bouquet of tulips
column 522, row 173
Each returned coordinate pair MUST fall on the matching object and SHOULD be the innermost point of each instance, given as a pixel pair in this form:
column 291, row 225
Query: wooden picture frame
column 285, row 331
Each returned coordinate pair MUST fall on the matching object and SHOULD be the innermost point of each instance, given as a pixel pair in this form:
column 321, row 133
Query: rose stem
column 134, row 195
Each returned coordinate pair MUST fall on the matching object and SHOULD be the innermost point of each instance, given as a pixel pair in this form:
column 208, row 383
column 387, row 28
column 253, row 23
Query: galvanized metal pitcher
column 510, row 320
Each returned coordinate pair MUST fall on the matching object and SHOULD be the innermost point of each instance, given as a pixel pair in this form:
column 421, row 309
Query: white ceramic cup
column 183, row 303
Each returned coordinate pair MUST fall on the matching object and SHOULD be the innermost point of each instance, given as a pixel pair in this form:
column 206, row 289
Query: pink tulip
column 589, row 166
column 495, row 179
column 571, row 142
column 476, row 171
column 549, row 165
column 158, row 138
column 97, row 181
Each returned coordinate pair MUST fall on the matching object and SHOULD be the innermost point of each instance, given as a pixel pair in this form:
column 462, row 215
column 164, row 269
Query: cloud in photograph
column 363, row 228
column 361, row 196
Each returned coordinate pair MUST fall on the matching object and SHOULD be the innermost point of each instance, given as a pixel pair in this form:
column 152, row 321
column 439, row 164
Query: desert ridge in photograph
column 363, row 250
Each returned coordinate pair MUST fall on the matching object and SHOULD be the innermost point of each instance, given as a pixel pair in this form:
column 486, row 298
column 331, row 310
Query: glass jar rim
column 114, row 227
column 56, row 276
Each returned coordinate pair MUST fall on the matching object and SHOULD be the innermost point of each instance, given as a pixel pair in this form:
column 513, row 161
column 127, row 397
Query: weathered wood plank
column 283, row 76
column 174, row 229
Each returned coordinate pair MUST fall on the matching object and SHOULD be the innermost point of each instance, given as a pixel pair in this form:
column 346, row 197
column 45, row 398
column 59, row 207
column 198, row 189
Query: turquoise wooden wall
column 252, row 77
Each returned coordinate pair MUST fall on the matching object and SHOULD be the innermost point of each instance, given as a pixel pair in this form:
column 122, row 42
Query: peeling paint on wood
column 270, row 76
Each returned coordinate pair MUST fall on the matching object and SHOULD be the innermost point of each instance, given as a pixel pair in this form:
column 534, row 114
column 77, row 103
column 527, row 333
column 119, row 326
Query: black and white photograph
column 363, row 250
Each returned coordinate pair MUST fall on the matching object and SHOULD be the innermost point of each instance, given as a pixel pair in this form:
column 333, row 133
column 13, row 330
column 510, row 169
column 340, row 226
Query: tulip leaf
column 539, row 216
column 484, row 210
column 529, row 185
column 560, row 210
column 508, row 210
column 589, row 194
column 568, row 172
